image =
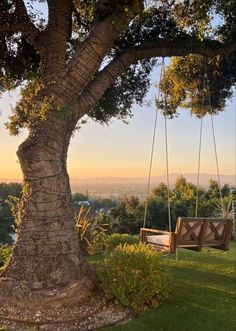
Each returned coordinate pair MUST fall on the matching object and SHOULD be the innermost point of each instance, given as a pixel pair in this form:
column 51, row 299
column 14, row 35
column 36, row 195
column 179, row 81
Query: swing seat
column 161, row 241
column 191, row 233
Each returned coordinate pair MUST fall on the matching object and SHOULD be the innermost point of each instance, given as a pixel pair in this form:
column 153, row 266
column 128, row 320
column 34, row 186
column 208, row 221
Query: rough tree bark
column 46, row 254
column 46, row 257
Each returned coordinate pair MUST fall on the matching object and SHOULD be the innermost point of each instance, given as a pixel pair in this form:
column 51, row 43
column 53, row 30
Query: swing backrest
column 196, row 233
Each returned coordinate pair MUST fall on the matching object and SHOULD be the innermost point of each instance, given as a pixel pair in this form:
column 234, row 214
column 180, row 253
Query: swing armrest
column 144, row 232
column 155, row 231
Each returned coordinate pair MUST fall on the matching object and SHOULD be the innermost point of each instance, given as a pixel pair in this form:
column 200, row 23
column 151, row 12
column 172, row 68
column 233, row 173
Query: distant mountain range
column 204, row 179
column 133, row 185
column 140, row 183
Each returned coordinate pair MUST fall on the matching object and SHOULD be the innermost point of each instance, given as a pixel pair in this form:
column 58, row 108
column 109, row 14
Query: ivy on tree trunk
column 111, row 50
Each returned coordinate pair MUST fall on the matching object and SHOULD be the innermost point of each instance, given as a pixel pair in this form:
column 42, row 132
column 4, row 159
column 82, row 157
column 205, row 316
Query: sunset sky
column 124, row 150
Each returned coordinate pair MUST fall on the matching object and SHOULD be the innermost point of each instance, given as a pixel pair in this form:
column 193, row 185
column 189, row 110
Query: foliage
column 135, row 276
column 14, row 204
column 169, row 20
column 223, row 207
column 13, row 190
column 193, row 82
column 78, row 197
column 103, row 204
column 133, row 84
column 186, row 85
column 97, row 204
column 200, row 285
column 116, row 239
column 75, row 82
column 17, row 63
column 27, row 111
column 5, row 255
column 127, row 216
column 183, row 202
column 91, row 231
column 157, row 213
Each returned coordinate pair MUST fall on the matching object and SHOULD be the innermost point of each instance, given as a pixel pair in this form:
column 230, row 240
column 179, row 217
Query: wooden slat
column 172, row 242
column 203, row 234
column 213, row 243
column 159, row 247
column 190, row 230
column 143, row 235
column 214, row 230
column 155, row 231
column 198, row 240
column 228, row 233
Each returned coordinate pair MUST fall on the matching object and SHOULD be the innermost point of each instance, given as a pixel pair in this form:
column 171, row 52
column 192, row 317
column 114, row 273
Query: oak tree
column 94, row 58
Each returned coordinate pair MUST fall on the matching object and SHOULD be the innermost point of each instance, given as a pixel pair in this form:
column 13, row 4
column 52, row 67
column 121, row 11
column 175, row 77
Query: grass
column 203, row 297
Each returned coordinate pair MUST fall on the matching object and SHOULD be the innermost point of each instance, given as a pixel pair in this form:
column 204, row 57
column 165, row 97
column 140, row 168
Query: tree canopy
column 95, row 57
column 153, row 29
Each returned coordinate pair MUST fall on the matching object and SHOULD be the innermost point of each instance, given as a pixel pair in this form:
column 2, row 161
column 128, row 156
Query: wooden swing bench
column 191, row 233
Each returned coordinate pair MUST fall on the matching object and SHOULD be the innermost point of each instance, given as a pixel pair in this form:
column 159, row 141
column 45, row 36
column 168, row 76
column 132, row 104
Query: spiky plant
column 91, row 230
column 223, row 207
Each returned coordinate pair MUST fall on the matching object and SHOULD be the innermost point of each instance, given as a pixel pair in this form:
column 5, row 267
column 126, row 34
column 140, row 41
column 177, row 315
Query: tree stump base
column 20, row 293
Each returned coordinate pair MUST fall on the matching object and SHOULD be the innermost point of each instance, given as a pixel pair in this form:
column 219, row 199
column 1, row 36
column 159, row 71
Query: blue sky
column 124, row 150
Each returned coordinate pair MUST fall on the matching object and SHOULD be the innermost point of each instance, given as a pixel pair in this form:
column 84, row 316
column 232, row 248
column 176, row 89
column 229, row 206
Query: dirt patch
column 94, row 314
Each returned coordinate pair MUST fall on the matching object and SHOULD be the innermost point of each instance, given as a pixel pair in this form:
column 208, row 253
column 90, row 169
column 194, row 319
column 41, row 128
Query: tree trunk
column 46, row 254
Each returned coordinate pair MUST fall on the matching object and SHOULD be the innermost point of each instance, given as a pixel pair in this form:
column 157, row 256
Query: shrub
column 116, row 239
column 135, row 276
column 5, row 255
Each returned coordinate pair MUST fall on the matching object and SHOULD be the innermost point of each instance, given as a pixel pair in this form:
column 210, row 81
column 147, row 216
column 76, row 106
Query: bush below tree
column 136, row 276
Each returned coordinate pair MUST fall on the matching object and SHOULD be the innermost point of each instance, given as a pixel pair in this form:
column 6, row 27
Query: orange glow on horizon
column 81, row 171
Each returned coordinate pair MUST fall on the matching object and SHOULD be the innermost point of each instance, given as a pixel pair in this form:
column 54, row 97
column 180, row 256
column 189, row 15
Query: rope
column 152, row 149
column 198, row 169
column 167, row 162
column 217, row 162
column 206, row 85
column 235, row 139
column 214, row 142
column 167, row 174
column 200, row 138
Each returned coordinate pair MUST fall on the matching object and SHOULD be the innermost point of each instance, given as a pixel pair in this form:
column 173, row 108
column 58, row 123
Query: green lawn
column 203, row 297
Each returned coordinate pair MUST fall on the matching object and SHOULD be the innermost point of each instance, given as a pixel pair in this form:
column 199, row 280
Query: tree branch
column 53, row 42
column 158, row 48
column 19, row 21
column 90, row 53
column 59, row 16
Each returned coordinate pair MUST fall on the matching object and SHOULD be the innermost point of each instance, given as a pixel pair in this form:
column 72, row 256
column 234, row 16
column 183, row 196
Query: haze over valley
column 119, row 186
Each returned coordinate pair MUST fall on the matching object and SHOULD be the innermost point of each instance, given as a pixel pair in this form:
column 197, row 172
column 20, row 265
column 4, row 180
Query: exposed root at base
column 19, row 292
